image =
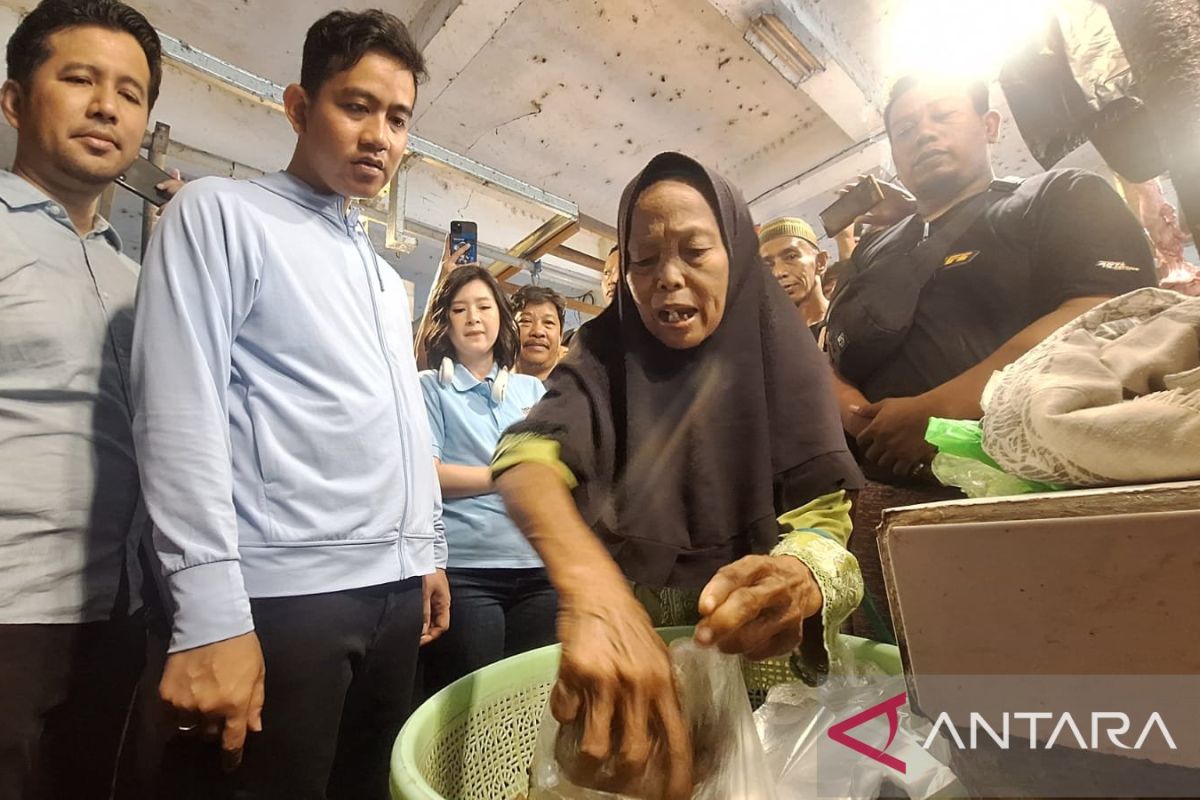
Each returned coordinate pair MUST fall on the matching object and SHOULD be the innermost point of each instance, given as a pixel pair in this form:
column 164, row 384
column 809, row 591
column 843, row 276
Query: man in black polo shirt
column 978, row 274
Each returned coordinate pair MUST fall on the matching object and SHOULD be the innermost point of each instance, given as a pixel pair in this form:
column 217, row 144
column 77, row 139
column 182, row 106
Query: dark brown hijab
column 686, row 457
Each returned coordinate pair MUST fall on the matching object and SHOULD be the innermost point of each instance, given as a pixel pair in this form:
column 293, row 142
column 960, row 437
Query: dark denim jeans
column 494, row 614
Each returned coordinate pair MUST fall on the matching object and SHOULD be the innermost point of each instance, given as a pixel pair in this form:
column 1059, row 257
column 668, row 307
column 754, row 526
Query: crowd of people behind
column 240, row 501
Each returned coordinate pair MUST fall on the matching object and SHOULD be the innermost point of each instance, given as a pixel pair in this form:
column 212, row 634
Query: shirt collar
column 464, row 381
column 19, row 194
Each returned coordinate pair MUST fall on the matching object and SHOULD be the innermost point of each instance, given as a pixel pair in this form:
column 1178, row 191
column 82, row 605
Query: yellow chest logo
column 958, row 259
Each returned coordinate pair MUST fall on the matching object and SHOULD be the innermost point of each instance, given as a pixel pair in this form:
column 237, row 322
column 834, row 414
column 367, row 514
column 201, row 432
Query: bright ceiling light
column 962, row 38
column 781, row 45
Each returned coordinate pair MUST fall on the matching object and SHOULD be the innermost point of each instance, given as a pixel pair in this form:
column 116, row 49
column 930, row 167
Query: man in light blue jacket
column 281, row 435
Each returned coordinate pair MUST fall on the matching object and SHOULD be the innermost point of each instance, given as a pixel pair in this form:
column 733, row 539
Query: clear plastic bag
column 962, row 462
column 977, row 479
column 726, row 753
column 794, row 725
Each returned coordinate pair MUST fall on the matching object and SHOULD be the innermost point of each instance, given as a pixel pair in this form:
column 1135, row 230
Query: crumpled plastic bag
column 962, row 462
column 726, row 753
column 794, row 725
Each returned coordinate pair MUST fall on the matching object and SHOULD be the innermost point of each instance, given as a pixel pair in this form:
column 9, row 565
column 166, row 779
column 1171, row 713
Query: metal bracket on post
column 397, row 238
column 156, row 153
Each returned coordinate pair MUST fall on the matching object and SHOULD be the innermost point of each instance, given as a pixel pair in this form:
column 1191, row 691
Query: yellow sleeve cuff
column 817, row 534
column 827, row 517
column 530, row 448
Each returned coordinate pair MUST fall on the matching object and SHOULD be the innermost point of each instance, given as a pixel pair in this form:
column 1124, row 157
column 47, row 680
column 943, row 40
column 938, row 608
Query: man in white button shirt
column 82, row 77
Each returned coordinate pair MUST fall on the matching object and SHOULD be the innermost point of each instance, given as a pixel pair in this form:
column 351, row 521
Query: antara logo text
column 1116, row 726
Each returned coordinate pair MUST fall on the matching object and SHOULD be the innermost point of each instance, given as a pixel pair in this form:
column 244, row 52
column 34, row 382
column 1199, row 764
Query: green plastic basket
column 474, row 739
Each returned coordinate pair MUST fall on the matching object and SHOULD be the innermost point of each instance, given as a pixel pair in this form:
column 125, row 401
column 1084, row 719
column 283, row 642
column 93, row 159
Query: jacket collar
column 333, row 207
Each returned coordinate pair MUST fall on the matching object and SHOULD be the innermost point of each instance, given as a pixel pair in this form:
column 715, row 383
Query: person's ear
column 991, row 123
column 12, row 100
column 822, row 261
column 295, row 105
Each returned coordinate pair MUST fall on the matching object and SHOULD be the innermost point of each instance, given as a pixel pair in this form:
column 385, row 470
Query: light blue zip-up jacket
column 279, row 424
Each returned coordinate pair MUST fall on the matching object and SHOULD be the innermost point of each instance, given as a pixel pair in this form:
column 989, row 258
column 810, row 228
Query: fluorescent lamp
column 780, row 45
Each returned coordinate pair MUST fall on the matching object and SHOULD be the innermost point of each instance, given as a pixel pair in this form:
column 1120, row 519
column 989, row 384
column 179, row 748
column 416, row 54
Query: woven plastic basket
column 474, row 739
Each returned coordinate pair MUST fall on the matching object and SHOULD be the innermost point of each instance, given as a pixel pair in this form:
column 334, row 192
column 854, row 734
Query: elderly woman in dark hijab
column 688, row 453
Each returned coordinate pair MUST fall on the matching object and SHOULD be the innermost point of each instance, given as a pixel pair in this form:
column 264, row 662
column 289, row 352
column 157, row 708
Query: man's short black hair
column 535, row 296
column 339, row 40
column 28, row 48
column 977, row 90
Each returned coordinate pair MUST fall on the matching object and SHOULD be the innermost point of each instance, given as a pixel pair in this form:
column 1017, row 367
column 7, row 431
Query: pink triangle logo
column 890, row 707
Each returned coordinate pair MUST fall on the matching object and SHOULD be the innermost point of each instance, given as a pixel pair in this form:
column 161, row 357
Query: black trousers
column 496, row 613
column 65, row 695
column 340, row 669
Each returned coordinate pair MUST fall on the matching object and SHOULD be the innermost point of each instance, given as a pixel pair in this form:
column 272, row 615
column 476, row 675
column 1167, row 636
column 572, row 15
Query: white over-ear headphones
column 499, row 386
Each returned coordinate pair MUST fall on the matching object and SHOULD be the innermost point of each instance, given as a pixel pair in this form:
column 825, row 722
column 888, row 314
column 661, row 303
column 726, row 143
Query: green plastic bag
column 962, row 462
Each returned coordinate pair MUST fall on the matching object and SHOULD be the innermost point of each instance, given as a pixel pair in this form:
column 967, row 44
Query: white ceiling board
column 846, row 89
column 467, row 30
column 265, row 37
column 861, row 30
column 429, row 18
column 576, row 96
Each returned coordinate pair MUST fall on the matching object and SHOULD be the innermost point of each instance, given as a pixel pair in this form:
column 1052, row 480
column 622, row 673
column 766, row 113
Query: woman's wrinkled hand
column 616, row 684
column 756, row 606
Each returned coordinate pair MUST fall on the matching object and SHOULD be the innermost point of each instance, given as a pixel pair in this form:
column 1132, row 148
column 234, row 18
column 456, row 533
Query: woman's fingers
column 773, row 596
column 743, row 607
column 617, row 685
column 450, row 261
column 783, row 643
column 725, row 582
column 636, row 743
column 769, row 635
column 595, row 744
column 721, row 607
column 678, row 746
column 564, row 703
column 757, row 615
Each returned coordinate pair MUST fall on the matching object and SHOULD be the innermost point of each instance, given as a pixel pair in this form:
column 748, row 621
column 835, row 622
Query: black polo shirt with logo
column 1060, row 235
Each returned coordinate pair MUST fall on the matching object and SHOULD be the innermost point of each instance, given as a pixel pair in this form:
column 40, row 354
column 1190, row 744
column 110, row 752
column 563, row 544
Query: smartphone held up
column 143, row 178
column 464, row 232
column 861, row 198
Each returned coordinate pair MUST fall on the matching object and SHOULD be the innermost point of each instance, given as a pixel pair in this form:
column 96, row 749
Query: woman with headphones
column 503, row 603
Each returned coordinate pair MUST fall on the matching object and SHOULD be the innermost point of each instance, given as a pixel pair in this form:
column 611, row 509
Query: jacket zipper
column 351, row 231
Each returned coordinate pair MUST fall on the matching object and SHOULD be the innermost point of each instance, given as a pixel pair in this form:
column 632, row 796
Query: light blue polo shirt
column 466, row 426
